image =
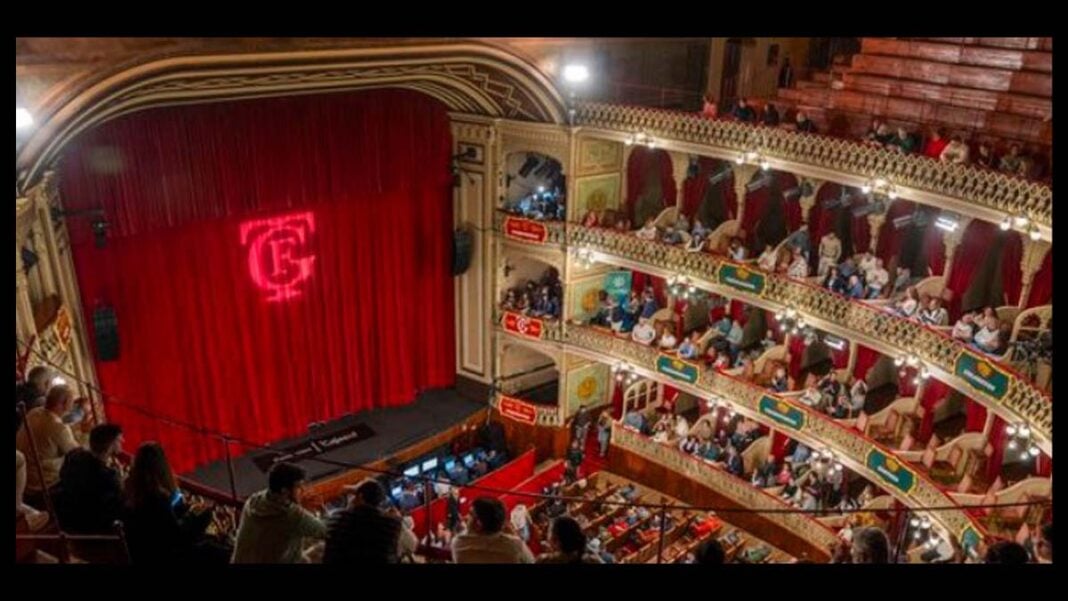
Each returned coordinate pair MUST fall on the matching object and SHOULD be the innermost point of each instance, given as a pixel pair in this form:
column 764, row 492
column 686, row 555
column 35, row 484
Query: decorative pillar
column 25, row 327
column 852, row 357
column 807, row 202
column 875, row 225
column 1034, row 253
column 952, row 241
column 680, row 164
column 742, row 175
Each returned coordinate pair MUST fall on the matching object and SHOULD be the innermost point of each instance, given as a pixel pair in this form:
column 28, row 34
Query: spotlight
column 914, row 522
column 1012, row 445
column 1006, row 224
column 1010, row 430
column 58, row 381
column 1035, row 234
column 1020, row 221
column 576, row 73
column 1034, row 451
column 23, row 118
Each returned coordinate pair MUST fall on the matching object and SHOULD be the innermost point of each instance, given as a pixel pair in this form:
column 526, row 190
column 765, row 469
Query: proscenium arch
column 470, row 78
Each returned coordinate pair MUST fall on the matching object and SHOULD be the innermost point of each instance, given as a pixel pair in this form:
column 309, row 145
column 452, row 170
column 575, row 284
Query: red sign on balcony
column 521, row 324
column 518, row 410
column 525, row 230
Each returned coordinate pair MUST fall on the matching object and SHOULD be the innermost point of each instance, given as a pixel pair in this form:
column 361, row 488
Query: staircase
column 994, row 89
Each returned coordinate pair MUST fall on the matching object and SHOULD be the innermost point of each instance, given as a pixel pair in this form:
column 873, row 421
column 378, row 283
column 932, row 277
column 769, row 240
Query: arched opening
column 529, row 375
column 535, row 186
column 650, row 184
column 530, row 287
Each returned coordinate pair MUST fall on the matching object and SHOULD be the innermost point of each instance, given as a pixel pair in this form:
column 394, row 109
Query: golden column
column 1034, row 253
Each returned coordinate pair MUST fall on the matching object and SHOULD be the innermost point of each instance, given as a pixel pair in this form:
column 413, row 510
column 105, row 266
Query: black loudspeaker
column 106, row 327
column 463, row 245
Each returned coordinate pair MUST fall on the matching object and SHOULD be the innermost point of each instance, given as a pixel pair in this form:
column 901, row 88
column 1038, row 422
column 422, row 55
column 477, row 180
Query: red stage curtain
column 933, row 392
column 866, row 358
column 1011, row 276
column 976, row 416
column 998, row 439
column 1042, row 286
column 968, row 256
column 366, row 176
column 642, row 161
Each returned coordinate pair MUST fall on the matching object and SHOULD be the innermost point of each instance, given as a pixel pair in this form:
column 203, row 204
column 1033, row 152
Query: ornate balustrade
column 543, row 415
column 859, row 453
column 995, row 385
column 734, row 488
column 981, row 192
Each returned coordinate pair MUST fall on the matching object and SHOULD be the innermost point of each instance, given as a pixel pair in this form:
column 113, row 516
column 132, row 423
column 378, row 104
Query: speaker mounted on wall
column 106, row 330
column 463, row 246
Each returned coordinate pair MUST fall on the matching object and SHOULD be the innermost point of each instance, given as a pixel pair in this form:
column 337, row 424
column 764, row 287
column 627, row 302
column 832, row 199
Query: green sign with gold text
column 677, row 368
column 782, row 412
column 741, row 278
column 982, row 375
column 891, row 471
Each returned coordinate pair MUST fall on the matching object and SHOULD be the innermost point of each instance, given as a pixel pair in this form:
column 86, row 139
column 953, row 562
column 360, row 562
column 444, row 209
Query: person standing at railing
column 830, row 252
column 273, row 524
column 710, row 110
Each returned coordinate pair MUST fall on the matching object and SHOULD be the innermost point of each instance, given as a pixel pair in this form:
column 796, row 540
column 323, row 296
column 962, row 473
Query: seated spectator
column 879, row 133
column 635, row 420
column 878, row 278
column 936, row 144
column 363, row 533
column 89, row 498
column 521, row 522
column 682, row 427
column 834, row 281
column 644, row 332
column 590, row 219
column 688, row 348
column 901, row 282
column 733, row 463
column 964, row 329
column 52, row 438
column 736, row 250
column 743, row 112
column 682, row 224
column 767, row 259
column 934, row 314
column 865, row 262
column 668, row 340
column 648, row 231
column 771, row 116
column 699, row 230
column 735, row 337
column 710, row 552
column 902, row 142
column 273, row 525
column 779, row 383
column 848, row 268
column 34, row 520
column 649, row 306
column 672, row 236
column 1010, row 163
column 160, row 527
column 956, row 152
column 32, row 391
column 985, row 156
column 709, row 109
column 870, row 545
column 858, row 395
column 811, row 397
column 798, row 267
column 854, row 287
column 988, row 339
column 568, row 543
column 804, row 124
column 616, row 315
column 1006, row 552
column 907, row 306
column 485, row 541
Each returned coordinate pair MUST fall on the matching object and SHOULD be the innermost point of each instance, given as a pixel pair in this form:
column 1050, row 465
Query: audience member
column 936, row 144
column 804, row 124
column 52, row 438
column 771, row 116
column 648, row 231
column 604, row 433
column 569, row 543
column 485, row 541
column 273, row 525
column 870, row 545
column 985, row 156
column 709, row 110
column 854, row 287
column 32, row 391
column 1010, row 163
column 830, row 253
column 934, row 314
column 34, row 520
column 736, row 250
column 834, row 281
column 907, row 306
column 743, row 112
column 363, row 533
column 710, row 552
column 89, row 495
column 689, row 347
column 988, row 339
column 956, row 152
column 798, row 267
column 902, row 142
column 878, row 278
column 1006, row 552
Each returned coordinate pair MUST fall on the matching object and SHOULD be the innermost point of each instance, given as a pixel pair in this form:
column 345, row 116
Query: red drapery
column 778, row 445
column 756, row 205
column 998, row 439
column 866, row 357
column 1042, row 286
column 890, row 238
column 617, row 401
column 695, row 188
column 967, row 257
column 840, row 358
column 639, row 281
column 934, row 247
column 792, row 206
column 975, row 416
column 1011, row 276
column 796, row 348
column 933, row 392
column 861, row 230
column 1043, row 466
column 193, row 264
column 642, row 160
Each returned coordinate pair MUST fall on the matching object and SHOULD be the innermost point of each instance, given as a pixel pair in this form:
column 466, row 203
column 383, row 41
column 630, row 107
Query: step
column 1016, row 43
column 1027, row 106
column 977, row 56
column 821, row 76
column 1020, row 82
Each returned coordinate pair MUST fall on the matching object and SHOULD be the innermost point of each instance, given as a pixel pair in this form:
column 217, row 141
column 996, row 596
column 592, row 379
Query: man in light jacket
column 273, row 524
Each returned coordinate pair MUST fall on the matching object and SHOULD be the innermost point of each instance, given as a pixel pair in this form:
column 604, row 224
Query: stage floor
column 394, row 430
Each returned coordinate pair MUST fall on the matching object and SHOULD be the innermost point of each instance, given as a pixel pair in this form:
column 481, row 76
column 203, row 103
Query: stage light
column 914, row 522
column 23, row 118
column 1006, row 224
column 576, row 73
column 1034, row 451
column 1035, row 234
column 58, row 381
column 1024, row 431
column 1020, row 221
column 1010, row 430
column 1012, row 445
column 765, row 165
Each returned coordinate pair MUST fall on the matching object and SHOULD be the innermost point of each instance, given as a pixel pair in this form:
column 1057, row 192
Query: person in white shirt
column 668, row 340
column 934, row 314
column 858, row 395
column 955, row 153
column 767, row 259
column 811, row 397
column 830, row 252
column 907, row 306
column 648, row 231
column 866, row 263
column 643, row 333
column 877, row 277
column 964, row 329
column 798, row 267
column 52, row 437
column 485, row 540
column 688, row 348
column 682, row 427
column 736, row 250
column 988, row 339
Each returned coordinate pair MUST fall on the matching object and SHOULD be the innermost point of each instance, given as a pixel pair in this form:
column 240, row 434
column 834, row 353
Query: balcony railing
column 985, row 189
column 544, row 415
column 736, row 489
column 859, row 452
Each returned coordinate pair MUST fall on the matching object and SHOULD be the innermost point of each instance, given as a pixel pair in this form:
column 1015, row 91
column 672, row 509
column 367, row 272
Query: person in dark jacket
column 786, row 74
column 363, row 533
column 743, row 112
column 771, row 115
column 160, row 527
column 89, row 497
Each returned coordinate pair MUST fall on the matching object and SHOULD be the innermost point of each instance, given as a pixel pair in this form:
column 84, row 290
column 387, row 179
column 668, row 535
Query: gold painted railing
column 860, row 453
column 836, row 314
column 982, row 187
column 736, row 489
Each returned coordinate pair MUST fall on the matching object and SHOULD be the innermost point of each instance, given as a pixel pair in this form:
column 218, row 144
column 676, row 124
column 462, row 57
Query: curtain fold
column 1011, row 276
column 271, row 262
column 1042, row 285
column 967, row 258
column 975, row 416
column 866, row 357
column 934, row 391
column 642, row 163
column 998, row 439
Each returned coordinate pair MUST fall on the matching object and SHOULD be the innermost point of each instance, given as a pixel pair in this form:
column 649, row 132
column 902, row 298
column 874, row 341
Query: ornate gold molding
column 984, row 194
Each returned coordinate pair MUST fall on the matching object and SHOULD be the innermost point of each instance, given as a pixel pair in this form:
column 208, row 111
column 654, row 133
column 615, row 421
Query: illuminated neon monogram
column 274, row 260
